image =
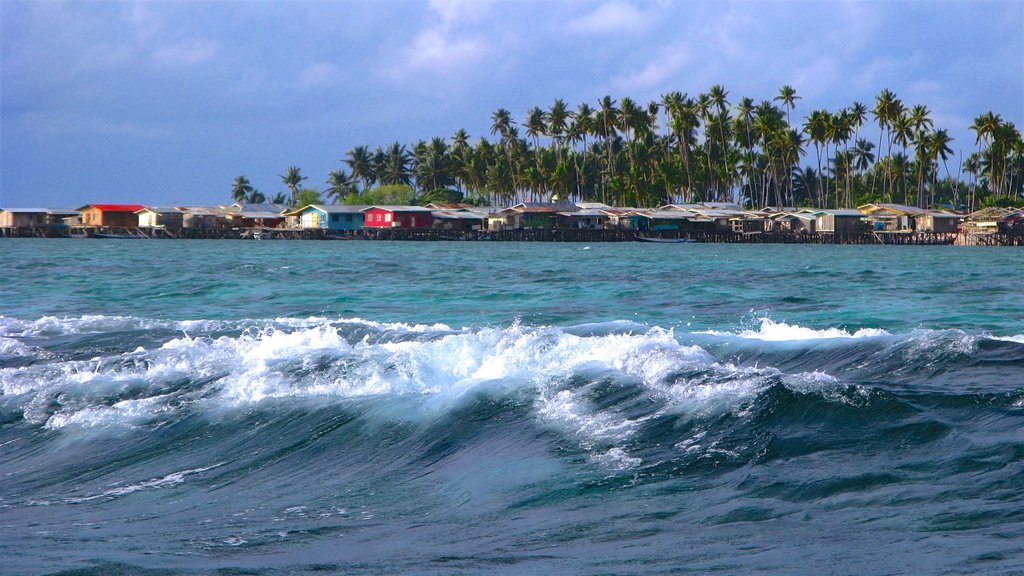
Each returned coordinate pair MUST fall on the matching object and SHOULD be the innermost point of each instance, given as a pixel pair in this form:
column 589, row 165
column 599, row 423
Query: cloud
column 611, row 17
column 318, row 74
column 187, row 53
column 662, row 68
column 455, row 10
column 431, row 49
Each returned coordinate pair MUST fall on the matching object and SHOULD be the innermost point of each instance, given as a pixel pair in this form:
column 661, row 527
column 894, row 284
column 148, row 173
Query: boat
column 116, row 236
column 665, row 240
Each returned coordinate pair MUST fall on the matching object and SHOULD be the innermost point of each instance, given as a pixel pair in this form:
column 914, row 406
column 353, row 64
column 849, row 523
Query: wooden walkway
column 522, row 235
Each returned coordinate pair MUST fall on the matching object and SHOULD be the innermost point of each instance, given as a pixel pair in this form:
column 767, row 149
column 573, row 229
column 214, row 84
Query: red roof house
column 113, row 215
column 397, row 217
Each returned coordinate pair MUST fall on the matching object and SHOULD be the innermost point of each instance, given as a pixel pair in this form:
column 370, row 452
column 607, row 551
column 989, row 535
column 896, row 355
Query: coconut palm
column 360, row 163
column 240, row 189
column 292, row 178
column 339, row 186
column 787, row 95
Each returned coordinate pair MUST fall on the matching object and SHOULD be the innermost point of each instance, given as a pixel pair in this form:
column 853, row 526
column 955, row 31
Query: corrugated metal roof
column 398, row 208
column 114, row 207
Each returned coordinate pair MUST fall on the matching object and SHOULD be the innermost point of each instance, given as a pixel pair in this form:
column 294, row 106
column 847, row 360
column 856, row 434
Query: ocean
column 355, row 407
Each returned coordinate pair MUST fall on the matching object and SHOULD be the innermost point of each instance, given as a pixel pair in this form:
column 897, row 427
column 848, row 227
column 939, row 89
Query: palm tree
column 787, row 95
column 339, row 185
column 679, row 109
column 240, row 189
column 395, row 167
column 884, row 111
column 292, row 179
column 940, row 150
column 558, row 118
column 360, row 162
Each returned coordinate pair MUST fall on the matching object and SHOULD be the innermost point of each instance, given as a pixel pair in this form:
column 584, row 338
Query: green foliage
column 441, row 196
column 305, row 197
column 389, row 194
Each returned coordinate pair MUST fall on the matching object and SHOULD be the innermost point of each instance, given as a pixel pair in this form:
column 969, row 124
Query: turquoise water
column 211, row 407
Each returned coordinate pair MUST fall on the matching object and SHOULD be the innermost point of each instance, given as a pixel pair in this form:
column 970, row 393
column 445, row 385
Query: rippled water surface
column 205, row 407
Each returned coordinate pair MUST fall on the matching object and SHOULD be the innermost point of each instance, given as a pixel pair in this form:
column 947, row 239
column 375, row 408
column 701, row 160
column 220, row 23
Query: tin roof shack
column 986, row 220
column 33, row 217
column 592, row 206
column 1012, row 223
column 939, row 221
column 111, row 215
column 535, row 214
column 722, row 218
column 160, row 217
column 891, row 217
column 622, row 217
column 459, row 219
column 797, row 222
column 397, row 217
column 203, row 217
column 843, row 221
column 330, row 217
column 265, row 215
column 750, row 223
column 583, row 219
column 672, row 221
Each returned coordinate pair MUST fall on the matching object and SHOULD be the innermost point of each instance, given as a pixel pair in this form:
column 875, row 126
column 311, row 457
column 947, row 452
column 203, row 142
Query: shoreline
column 524, row 235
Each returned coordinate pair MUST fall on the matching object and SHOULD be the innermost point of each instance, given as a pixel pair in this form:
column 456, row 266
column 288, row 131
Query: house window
column 387, row 217
column 334, row 217
column 348, row 217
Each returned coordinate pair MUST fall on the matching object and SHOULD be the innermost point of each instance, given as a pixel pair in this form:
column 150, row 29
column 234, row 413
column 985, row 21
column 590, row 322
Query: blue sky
column 166, row 102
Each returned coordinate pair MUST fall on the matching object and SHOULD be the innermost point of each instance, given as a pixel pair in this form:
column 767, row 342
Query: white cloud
column 661, row 69
column 454, row 10
column 318, row 74
column 431, row 49
column 187, row 53
column 817, row 78
column 611, row 17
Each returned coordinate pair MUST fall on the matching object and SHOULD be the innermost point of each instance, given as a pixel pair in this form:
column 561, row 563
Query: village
column 880, row 223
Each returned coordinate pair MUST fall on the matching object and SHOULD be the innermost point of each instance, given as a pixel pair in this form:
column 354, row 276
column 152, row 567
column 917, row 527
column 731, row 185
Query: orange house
column 113, row 215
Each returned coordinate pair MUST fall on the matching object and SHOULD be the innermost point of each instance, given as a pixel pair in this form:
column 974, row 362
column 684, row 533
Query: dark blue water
column 435, row 408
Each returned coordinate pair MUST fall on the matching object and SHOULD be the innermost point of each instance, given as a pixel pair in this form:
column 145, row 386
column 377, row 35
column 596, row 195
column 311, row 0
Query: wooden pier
column 520, row 235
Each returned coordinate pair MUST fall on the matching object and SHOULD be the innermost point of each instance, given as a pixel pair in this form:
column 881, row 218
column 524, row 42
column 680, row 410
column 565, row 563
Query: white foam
column 171, row 479
column 771, row 331
column 1019, row 338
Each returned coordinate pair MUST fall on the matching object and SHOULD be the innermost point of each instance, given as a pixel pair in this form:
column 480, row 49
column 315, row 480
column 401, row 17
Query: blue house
column 344, row 217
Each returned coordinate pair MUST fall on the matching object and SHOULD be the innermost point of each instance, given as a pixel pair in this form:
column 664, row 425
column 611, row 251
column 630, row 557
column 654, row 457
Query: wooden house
column 938, row 221
column 986, row 220
column 1012, row 223
column 205, row 217
column 397, row 217
column 845, row 220
column 459, row 219
column 535, row 214
column 160, row 217
column 798, row 222
column 673, row 221
column 587, row 219
column 33, row 217
column 266, row 215
column 111, row 215
column 884, row 217
column 330, row 217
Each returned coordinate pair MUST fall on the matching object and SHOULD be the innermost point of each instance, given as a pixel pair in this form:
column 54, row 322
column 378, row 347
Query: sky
column 166, row 102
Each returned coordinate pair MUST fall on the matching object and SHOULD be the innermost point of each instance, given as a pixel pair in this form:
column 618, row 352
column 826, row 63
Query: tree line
column 684, row 148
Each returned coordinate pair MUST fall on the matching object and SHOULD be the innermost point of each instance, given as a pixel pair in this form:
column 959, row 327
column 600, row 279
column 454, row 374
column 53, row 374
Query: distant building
column 839, row 221
column 160, row 217
column 112, row 215
column 397, row 217
column 32, row 217
column 330, row 217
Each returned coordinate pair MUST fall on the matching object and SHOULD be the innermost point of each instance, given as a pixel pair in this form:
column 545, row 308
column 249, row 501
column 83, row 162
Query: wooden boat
column 117, row 236
column 665, row 240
